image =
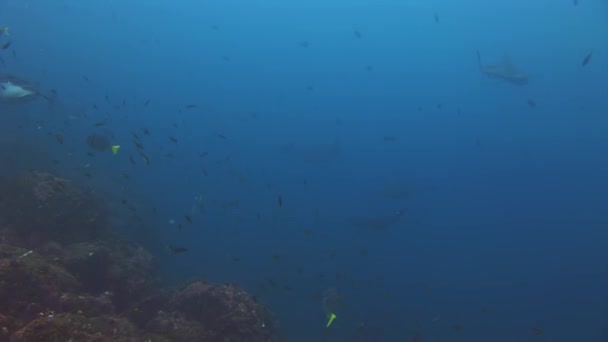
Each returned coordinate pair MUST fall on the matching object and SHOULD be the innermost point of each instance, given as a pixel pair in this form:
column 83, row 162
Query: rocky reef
column 64, row 276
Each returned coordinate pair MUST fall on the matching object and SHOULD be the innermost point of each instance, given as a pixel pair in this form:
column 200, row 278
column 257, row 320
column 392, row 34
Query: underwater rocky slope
column 65, row 277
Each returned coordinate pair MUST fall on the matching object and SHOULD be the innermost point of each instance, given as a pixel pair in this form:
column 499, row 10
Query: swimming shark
column 8, row 90
column 505, row 71
column 17, row 90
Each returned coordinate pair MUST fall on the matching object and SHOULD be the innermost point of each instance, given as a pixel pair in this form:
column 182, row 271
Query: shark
column 17, row 90
column 505, row 71
column 8, row 90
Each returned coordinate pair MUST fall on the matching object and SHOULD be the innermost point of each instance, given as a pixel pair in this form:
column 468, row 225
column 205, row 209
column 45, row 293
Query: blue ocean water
column 342, row 157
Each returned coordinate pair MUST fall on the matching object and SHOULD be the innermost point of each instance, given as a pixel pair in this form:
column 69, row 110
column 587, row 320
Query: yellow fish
column 330, row 320
column 115, row 149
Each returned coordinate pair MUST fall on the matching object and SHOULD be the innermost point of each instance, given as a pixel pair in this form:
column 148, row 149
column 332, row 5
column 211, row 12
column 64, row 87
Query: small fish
column 586, row 59
column 538, row 331
column 173, row 140
column 221, row 136
column 124, row 175
column 146, row 131
column 436, row 17
column 280, row 201
column 6, row 45
column 145, row 159
column 59, row 138
column 101, row 123
column 131, row 160
column 146, row 103
column 531, row 103
column 191, row 106
column 85, row 78
column 188, row 219
column 177, row 250
column 575, row 2
column 358, row 34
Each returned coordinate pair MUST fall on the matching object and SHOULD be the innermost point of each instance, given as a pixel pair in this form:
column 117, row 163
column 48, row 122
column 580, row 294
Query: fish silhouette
column 505, row 71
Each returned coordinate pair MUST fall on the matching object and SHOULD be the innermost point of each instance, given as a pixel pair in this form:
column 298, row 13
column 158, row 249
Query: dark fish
column 146, row 103
column 177, row 250
column 188, row 219
column 85, row 78
column 131, row 159
column 135, row 136
column 146, row 132
column 191, row 106
column 586, row 59
column 575, row 2
column 531, row 103
column 358, row 34
column 280, row 201
column 101, row 123
column 139, row 146
column 436, row 17
column 124, row 175
column 389, row 138
column 6, row 45
column 107, row 99
column 2, row 60
column 59, row 138
column 221, row 136
column 304, row 44
column 173, row 140
column 90, row 154
column 94, row 106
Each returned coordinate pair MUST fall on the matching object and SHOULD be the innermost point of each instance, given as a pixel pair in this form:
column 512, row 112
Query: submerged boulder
column 45, row 208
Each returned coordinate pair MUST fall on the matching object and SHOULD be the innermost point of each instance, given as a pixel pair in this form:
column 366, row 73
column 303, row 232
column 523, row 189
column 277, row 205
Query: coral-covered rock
column 178, row 328
column 46, row 207
column 30, row 283
column 125, row 271
column 87, row 305
column 64, row 327
column 227, row 312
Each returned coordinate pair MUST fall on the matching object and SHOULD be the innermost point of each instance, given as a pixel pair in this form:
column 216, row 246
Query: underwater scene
column 306, row 171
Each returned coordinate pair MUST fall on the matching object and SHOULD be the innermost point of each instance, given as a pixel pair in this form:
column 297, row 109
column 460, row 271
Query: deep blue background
column 506, row 227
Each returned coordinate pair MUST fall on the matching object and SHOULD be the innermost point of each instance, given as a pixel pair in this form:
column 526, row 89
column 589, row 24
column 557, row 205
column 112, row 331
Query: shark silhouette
column 505, row 71
column 17, row 90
